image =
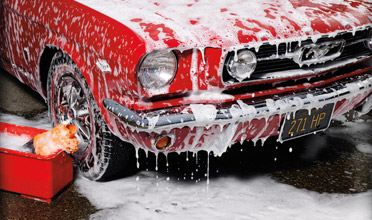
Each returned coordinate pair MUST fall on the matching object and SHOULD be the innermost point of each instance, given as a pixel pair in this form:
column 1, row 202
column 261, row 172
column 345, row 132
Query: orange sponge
column 60, row 137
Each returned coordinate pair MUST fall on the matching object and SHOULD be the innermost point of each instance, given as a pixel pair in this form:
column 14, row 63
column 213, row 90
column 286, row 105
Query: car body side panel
column 85, row 35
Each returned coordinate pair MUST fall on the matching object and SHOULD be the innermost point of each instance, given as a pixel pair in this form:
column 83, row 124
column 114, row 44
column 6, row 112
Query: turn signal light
column 163, row 142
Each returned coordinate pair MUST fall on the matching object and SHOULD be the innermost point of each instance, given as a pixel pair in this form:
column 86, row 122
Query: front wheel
column 100, row 154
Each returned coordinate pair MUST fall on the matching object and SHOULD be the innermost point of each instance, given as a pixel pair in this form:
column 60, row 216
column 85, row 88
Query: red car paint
column 28, row 27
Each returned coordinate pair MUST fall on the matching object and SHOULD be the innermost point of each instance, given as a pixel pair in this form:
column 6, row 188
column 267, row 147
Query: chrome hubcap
column 72, row 107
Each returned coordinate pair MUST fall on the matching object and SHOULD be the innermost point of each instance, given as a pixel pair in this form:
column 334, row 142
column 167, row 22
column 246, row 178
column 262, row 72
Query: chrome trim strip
column 294, row 54
column 176, row 120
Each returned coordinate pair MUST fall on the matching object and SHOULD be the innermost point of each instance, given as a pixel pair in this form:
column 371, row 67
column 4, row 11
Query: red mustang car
column 188, row 75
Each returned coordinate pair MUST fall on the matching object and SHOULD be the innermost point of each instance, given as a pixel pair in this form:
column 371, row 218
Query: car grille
column 272, row 58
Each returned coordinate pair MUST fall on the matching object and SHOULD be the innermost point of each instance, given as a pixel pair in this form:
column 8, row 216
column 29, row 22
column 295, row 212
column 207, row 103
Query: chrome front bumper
column 239, row 111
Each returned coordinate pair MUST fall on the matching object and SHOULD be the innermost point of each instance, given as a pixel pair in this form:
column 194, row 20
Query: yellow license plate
column 302, row 123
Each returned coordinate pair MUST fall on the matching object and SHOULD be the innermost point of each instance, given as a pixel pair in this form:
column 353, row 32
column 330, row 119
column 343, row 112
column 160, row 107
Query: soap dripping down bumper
column 238, row 122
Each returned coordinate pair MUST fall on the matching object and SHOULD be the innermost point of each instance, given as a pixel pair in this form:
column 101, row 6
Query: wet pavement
column 338, row 176
column 68, row 205
column 336, row 167
column 15, row 98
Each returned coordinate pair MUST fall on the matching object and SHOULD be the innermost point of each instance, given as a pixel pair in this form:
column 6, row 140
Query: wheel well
column 45, row 61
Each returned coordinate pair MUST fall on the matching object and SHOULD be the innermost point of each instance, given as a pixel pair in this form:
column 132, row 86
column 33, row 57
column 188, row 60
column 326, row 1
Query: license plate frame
column 301, row 123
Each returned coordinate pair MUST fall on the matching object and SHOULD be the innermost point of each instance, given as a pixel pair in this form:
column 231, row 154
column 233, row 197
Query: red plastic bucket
column 32, row 175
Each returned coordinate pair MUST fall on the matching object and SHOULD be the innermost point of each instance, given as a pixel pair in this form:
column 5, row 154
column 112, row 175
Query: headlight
column 242, row 65
column 368, row 42
column 157, row 69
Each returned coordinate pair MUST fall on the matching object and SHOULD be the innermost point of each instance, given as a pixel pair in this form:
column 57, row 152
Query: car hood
column 231, row 23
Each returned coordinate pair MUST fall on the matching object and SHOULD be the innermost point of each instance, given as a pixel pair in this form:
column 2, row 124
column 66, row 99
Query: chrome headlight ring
column 242, row 64
column 368, row 42
column 157, row 69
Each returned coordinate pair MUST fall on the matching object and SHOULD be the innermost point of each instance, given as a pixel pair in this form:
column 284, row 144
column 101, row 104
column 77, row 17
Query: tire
column 101, row 154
